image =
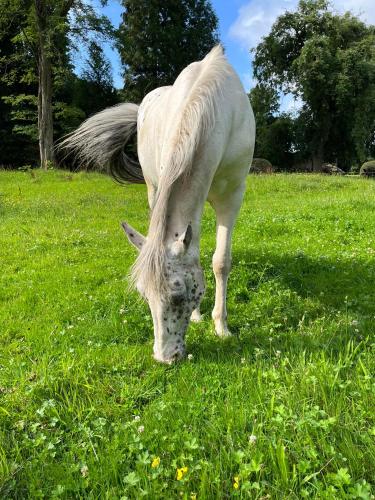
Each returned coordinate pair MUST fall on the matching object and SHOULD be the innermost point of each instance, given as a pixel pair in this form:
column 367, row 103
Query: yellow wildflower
column 193, row 496
column 236, row 483
column 155, row 463
column 180, row 473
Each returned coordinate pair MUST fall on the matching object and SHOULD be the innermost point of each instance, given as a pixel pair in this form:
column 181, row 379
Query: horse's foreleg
column 196, row 315
column 151, row 192
column 221, row 263
column 226, row 213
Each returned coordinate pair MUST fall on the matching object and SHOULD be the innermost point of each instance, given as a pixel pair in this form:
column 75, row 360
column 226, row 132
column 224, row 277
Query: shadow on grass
column 336, row 284
column 301, row 303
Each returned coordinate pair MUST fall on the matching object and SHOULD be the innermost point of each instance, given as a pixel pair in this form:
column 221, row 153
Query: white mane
column 195, row 124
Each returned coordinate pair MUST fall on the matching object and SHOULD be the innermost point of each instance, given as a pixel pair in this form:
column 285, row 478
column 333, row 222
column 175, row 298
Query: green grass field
column 85, row 412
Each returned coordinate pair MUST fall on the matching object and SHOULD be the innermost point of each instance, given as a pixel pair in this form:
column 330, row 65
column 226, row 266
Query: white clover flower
column 354, row 322
column 252, row 439
column 141, row 428
column 122, row 310
column 137, row 418
column 278, row 354
column 243, row 361
column 84, row 470
column 190, row 357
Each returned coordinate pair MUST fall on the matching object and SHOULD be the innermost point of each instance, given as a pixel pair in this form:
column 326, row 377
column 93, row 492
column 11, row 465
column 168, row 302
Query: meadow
column 283, row 409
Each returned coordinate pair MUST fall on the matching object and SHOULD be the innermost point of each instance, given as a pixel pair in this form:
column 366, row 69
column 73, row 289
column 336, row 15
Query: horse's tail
column 108, row 141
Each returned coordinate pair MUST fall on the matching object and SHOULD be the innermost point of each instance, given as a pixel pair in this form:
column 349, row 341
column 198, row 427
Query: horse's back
column 227, row 147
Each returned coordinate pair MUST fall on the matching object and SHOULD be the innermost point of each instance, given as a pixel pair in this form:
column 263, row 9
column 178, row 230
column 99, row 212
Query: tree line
column 327, row 60
column 324, row 59
column 41, row 96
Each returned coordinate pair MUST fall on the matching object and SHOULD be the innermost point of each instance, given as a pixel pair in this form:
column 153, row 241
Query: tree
column 17, row 82
column 95, row 90
column 98, row 69
column 43, row 30
column 158, row 38
column 43, row 42
column 327, row 60
column 265, row 103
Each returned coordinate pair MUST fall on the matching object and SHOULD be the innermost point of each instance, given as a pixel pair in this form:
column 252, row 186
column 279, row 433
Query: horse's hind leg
column 226, row 208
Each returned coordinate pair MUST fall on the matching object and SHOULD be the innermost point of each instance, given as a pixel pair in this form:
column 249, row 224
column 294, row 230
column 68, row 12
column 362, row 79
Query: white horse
column 195, row 143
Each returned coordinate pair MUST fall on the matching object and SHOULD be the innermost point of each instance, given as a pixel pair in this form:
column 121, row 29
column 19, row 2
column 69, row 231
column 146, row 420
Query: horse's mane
column 195, row 123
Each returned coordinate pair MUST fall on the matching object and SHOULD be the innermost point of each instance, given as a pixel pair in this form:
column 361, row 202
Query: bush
column 261, row 166
column 368, row 169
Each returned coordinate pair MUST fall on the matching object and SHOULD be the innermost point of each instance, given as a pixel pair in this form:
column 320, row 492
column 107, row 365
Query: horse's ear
column 186, row 237
column 180, row 246
column 134, row 237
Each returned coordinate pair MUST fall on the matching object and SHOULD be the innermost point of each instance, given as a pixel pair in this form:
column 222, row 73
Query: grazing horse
column 195, row 142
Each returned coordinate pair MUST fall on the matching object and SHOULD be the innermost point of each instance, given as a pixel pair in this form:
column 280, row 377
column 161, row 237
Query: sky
column 242, row 24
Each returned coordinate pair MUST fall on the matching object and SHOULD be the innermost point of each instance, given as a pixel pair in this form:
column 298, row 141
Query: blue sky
column 242, row 23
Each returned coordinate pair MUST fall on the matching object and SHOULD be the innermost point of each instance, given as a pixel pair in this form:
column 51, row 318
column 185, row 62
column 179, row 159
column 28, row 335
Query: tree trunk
column 318, row 158
column 45, row 118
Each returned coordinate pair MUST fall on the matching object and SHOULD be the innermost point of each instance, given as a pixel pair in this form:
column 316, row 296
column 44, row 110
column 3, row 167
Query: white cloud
column 256, row 17
column 365, row 9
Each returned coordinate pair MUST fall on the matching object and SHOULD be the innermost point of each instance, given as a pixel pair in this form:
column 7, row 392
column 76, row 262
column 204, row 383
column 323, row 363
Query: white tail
column 107, row 141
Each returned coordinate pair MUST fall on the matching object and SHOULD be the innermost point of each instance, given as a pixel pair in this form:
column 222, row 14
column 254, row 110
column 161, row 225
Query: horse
column 195, row 142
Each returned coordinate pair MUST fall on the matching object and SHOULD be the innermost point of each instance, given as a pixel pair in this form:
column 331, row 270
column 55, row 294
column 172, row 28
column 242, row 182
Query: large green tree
column 328, row 60
column 158, row 38
column 41, row 39
column 18, row 86
column 95, row 89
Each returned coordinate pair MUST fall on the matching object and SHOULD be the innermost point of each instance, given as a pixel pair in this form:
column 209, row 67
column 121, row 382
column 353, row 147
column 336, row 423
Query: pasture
column 283, row 409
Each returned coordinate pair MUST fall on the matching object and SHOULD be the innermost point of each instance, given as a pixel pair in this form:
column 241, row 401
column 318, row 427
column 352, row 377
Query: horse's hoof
column 178, row 356
column 221, row 330
column 196, row 317
column 224, row 333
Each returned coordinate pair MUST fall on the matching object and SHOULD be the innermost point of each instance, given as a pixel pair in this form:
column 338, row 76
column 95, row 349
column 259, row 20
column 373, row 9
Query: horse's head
column 173, row 304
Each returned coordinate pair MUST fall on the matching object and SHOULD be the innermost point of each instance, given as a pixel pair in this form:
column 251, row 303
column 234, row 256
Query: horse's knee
column 221, row 265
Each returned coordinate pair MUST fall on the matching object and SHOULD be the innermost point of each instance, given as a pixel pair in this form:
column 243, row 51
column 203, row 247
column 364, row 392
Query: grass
column 86, row 413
